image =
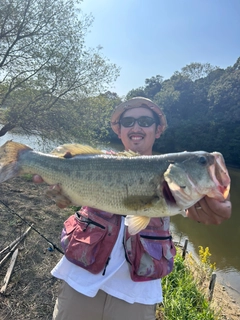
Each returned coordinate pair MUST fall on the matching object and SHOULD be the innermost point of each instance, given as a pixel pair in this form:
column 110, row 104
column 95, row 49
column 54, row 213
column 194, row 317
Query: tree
column 45, row 66
column 153, row 86
column 224, row 95
column 96, row 111
column 139, row 92
column 196, row 70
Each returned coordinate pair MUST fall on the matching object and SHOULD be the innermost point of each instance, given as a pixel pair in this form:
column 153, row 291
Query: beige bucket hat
column 137, row 102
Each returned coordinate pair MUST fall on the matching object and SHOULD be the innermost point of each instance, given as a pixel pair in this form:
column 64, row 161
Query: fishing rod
column 25, row 221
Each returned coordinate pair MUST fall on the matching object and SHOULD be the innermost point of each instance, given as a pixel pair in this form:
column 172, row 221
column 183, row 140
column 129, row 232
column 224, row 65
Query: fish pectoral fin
column 136, row 223
column 74, row 149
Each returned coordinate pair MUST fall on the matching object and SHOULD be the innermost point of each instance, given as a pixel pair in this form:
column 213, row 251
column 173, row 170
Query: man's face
column 136, row 138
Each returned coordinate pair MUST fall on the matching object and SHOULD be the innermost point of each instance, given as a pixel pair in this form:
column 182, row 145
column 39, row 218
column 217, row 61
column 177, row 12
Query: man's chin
column 136, row 148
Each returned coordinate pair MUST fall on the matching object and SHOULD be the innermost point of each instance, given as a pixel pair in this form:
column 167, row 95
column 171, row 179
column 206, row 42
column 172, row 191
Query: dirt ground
column 32, row 291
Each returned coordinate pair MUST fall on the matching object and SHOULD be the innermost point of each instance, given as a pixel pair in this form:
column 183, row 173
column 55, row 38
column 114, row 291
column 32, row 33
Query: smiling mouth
column 136, row 137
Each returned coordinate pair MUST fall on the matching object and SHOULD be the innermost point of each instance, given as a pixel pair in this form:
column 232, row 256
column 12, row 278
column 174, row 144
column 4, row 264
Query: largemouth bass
column 140, row 187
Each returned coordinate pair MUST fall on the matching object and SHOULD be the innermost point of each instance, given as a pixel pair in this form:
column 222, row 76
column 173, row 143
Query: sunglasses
column 143, row 121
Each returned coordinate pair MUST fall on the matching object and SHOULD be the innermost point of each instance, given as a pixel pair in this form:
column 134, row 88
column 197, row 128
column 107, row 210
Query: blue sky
column 149, row 37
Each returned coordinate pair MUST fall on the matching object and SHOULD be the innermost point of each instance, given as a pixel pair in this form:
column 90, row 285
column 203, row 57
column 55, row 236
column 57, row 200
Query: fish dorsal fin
column 74, row 149
column 128, row 154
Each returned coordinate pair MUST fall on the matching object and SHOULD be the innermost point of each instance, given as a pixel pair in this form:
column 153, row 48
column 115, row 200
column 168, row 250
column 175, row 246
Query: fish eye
column 202, row 160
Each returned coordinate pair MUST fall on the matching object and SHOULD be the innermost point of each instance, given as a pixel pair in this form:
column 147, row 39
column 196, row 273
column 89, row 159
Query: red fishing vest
column 89, row 235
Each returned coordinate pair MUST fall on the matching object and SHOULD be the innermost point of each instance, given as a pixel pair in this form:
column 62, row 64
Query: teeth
column 136, row 138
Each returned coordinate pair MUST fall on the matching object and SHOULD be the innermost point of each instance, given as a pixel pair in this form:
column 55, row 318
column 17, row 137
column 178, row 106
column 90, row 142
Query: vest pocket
column 158, row 254
column 150, row 257
column 81, row 240
column 88, row 238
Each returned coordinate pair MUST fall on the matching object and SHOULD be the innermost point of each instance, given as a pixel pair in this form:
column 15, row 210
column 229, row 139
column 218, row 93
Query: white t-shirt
column 116, row 281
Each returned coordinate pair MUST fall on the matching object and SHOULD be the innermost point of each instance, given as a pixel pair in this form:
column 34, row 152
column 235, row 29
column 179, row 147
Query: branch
column 7, row 127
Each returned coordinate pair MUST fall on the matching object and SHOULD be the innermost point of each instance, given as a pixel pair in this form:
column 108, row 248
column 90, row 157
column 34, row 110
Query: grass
column 28, row 177
column 183, row 300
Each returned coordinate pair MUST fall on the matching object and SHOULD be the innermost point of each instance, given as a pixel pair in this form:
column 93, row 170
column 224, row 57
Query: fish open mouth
column 220, row 176
column 167, row 193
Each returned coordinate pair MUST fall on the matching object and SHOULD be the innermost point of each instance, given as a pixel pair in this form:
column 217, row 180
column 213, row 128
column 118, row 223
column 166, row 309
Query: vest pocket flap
column 70, row 224
column 152, row 247
column 89, row 236
column 169, row 250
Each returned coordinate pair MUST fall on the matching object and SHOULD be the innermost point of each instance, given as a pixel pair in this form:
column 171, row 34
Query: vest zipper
column 106, row 264
column 156, row 238
column 89, row 221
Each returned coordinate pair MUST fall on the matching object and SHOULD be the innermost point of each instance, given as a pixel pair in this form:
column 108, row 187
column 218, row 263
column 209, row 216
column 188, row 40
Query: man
column 117, row 294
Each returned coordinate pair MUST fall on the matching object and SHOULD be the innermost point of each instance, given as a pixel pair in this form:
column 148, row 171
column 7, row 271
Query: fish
column 136, row 186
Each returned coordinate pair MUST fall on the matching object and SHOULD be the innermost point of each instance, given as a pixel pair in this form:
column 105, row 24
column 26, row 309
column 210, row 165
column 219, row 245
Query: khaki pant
column 72, row 305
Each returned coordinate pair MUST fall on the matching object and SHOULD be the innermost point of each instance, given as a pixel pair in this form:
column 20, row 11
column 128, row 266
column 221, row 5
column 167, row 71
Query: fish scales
column 109, row 180
column 126, row 184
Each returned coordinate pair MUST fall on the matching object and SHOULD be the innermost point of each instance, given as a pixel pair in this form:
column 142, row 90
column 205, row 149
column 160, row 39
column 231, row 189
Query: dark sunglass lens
column 145, row 121
column 127, row 122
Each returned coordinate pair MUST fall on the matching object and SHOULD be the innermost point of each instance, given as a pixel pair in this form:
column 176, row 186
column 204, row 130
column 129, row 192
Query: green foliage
column 196, row 70
column 202, row 106
column 94, row 119
column 139, row 92
column 152, row 87
column 28, row 177
column 45, row 66
column 182, row 298
column 74, row 208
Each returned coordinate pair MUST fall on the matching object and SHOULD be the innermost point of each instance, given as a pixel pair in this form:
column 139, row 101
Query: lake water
column 223, row 240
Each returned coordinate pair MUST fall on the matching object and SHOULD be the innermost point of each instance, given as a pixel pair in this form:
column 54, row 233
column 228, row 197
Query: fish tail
column 9, row 154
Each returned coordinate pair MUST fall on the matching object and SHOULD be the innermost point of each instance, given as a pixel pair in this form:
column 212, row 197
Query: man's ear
column 158, row 132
